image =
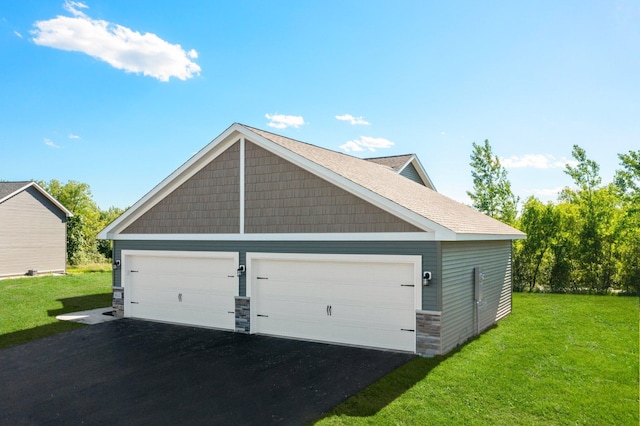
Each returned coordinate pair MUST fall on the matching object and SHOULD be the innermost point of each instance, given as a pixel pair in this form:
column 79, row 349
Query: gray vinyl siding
column 32, row 234
column 428, row 251
column 458, row 304
column 281, row 197
column 207, row 203
column 411, row 173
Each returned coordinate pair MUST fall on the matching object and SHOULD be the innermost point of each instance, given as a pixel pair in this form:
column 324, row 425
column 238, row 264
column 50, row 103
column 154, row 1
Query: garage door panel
column 371, row 301
column 393, row 318
column 290, row 289
column 299, row 329
column 191, row 288
column 283, row 308
column 397, row 297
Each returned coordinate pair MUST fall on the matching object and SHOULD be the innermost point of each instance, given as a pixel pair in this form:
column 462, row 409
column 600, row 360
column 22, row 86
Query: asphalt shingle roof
column 395, row 162
column 7, row 188
column 384, row 181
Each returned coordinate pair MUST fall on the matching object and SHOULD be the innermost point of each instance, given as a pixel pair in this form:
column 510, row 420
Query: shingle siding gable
column 207, row 203
column 284, row 198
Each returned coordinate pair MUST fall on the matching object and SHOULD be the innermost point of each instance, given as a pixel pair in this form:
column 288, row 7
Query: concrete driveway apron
column 138, row 372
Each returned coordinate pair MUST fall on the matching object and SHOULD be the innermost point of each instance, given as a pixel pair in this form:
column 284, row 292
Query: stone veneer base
column 428, row 333
column 117, row 301
column 243, row 315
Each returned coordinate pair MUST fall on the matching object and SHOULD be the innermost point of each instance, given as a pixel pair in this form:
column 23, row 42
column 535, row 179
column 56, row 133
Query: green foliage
column 492, row 193
column 532, row 256
column 82, row 229
column 105, row 247
column 589, row 241
column 627, row 181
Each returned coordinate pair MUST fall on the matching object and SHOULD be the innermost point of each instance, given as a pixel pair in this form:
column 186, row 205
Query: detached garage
column 262, row 234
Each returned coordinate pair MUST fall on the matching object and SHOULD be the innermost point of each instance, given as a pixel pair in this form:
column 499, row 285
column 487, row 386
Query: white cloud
column 119, row 46
column 279, row 121
column 50, row 143
column 18, row 34
column 353, row 120
column 351, row 146
column 536, row 161
column 72, row 136
column 366, row 142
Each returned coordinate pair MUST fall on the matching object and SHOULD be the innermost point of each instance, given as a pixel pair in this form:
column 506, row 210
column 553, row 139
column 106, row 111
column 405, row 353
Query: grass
column 556, row 360
column 92, row 267
column 30, row 305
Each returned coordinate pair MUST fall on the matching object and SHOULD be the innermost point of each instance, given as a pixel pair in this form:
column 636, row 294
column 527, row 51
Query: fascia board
column 175, row 179
column 43, row 192
column 490, row 237
column 360, row 236
column 353, row 188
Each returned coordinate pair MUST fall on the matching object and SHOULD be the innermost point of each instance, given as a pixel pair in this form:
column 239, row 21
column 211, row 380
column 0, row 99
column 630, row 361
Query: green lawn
column 29, row 305
column 556, row 360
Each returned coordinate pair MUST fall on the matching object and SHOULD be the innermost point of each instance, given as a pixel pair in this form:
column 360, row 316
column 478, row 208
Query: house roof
column 383, row 180
column 10, row 189
column 395, row 162
column 399, row 163
column 378, row 182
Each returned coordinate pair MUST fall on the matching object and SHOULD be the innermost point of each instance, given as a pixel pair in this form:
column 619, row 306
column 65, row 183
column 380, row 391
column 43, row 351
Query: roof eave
column 43, row 192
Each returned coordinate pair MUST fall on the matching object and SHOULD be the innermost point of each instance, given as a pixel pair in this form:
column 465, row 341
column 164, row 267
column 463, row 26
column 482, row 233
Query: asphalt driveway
column 137, row 372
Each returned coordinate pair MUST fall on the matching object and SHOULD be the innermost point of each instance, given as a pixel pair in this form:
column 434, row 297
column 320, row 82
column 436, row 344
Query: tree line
column 587, row 241
column 83, row 246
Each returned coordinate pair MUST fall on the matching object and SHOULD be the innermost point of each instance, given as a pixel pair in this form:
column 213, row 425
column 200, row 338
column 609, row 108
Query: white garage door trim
column 414, row 261
column 232, row 257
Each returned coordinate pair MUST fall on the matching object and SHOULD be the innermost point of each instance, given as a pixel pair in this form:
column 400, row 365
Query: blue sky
column 119, row 94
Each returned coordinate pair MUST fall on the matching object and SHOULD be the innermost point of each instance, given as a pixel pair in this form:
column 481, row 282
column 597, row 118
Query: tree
column 597, row 226
column 105, row 247
column 532, row 264
column 627, row 180
column 492, row 193
column 82, row 229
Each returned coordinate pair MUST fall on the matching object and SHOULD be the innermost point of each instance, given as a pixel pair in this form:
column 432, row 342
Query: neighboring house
column 259, row 233
column 33, row 230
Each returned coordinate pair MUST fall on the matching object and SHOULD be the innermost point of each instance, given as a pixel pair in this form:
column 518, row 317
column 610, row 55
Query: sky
column 119, row 94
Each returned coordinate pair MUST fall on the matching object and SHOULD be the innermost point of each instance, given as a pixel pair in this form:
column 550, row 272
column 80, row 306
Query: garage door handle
column 134, row 271
column 231, row 312
column 135, row 303
column 407, row 285
column 407, row 329
column 262, row 278
column 266, row 316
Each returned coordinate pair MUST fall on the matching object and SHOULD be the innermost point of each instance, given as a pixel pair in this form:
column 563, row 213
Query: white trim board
column 389, row 236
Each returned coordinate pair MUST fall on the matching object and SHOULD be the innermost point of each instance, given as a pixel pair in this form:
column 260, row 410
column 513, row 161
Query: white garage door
column 195, row 288
column 350, row 299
